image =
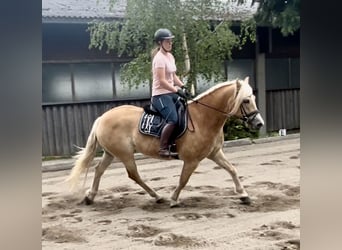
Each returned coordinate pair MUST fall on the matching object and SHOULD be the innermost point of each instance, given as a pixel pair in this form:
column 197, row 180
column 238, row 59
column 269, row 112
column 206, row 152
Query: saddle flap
column 152, row 123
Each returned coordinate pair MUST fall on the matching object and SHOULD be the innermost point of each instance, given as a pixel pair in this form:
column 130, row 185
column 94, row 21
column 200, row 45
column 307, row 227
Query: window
column 203, row 84
column 87, row 82
column 123, row 91
column 241, row 68
column 56, row 83
column 93, row 81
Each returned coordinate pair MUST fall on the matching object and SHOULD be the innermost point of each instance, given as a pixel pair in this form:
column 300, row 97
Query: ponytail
column 154, row 51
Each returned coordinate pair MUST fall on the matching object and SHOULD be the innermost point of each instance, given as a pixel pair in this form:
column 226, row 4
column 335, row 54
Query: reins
column 206, row 105
column 213, row 108
column 245, row 116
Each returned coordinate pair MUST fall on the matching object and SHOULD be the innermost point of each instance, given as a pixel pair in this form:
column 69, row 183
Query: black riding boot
column 164, row 141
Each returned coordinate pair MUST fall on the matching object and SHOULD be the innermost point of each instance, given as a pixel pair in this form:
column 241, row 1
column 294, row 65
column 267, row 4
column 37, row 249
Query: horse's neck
column 221, row 99
column 215, row 107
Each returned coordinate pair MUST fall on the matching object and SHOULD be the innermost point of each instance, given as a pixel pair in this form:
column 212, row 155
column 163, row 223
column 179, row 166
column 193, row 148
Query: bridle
column 247, row 117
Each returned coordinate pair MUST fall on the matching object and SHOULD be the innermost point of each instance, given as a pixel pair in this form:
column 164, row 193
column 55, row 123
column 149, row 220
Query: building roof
column 81, row 10
column 88, row 10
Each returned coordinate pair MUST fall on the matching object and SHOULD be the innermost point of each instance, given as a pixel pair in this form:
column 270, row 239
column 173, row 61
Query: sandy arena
column 210, row 216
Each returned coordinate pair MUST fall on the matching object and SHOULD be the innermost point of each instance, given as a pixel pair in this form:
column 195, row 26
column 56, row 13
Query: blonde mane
column 212, row 89
column 243, row 90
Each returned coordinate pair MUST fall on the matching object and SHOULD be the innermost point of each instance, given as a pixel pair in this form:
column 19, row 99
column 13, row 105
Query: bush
column 234, row 129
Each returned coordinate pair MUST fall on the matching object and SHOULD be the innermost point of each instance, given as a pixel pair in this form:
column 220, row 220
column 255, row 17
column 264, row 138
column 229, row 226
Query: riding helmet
column 162, row 34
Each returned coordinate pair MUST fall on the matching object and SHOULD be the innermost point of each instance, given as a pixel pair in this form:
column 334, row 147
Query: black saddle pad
column 152, row 123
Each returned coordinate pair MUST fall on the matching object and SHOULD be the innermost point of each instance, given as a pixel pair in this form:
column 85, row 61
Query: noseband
column 248, row 117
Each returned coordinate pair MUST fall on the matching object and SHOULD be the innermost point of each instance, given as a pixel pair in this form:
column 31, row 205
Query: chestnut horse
column 116, row 132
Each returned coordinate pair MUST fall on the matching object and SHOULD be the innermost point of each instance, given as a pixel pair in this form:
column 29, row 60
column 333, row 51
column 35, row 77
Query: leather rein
column 246, row 117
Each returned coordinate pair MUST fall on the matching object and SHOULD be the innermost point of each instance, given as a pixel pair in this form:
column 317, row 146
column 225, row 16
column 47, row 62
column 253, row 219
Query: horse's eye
column 246, row 101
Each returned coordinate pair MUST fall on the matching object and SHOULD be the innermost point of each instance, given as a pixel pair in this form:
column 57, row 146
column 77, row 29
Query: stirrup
column 173, row 148
column 167, row 153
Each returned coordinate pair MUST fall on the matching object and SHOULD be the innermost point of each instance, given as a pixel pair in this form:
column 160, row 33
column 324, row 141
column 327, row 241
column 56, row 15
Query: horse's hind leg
column 219, row 158
column 99, row 170
column 133, row 174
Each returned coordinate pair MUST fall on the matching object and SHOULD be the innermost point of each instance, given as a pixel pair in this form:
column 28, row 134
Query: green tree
column 283, row 14
column 203, row 37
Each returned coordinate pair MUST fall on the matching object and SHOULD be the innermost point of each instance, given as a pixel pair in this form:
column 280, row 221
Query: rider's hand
column 181, row 93
column 187, row 92
column 184, row 93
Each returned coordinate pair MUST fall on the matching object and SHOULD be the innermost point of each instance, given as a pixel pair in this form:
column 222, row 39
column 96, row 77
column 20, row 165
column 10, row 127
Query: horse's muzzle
column 257, row 122
column 259, row 125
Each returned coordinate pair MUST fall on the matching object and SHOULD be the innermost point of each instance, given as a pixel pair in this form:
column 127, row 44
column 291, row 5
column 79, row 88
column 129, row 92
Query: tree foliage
column 204, row 24
column 234, row 129
column 283, row 14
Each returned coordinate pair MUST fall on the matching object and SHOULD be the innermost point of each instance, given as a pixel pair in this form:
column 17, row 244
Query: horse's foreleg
column 187, row 170
column 133, row 174
column 219, row 158
column 99, row 170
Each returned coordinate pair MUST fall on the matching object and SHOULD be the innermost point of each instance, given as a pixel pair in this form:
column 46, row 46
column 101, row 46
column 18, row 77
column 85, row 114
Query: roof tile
column 87, row 9
column 99, row 9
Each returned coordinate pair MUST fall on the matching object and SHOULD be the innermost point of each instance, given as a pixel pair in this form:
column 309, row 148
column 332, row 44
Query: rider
column 166, row 87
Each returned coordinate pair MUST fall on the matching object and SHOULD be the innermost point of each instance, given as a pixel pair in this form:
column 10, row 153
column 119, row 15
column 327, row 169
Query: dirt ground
column 210, row 216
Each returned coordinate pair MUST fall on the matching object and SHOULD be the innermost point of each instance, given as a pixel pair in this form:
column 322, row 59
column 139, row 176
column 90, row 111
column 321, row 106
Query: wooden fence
column 66, row 126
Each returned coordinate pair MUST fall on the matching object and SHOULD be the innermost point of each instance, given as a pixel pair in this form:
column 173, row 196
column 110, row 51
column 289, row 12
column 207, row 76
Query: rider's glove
column 182, row 93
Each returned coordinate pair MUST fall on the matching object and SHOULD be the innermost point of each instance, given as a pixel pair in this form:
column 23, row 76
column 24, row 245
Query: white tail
column 84, row 157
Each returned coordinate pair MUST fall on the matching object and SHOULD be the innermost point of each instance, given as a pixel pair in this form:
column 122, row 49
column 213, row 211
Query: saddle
column 152, row 123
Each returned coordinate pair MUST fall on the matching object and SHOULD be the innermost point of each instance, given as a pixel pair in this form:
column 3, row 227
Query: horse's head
column 246, row 107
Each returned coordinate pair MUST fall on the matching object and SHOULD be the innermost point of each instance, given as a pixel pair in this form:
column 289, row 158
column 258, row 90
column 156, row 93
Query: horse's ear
column 238, row 83
column 246, row 79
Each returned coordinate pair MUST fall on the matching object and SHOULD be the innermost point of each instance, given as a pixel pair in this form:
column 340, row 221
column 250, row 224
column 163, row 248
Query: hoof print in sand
column 60, row 234
column 143, row 231
column 174, row 240
column 187, row 216
column 104, row 222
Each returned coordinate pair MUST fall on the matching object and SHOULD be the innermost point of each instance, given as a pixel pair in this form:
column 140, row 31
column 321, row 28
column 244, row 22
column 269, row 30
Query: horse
column 116, row 132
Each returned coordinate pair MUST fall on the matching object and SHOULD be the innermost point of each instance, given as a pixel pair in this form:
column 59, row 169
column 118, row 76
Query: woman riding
column 166, row 88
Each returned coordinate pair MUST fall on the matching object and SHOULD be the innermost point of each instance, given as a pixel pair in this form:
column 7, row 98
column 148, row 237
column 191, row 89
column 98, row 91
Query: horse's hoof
column 174, row 204
column 87, row 201
column 245, row 200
